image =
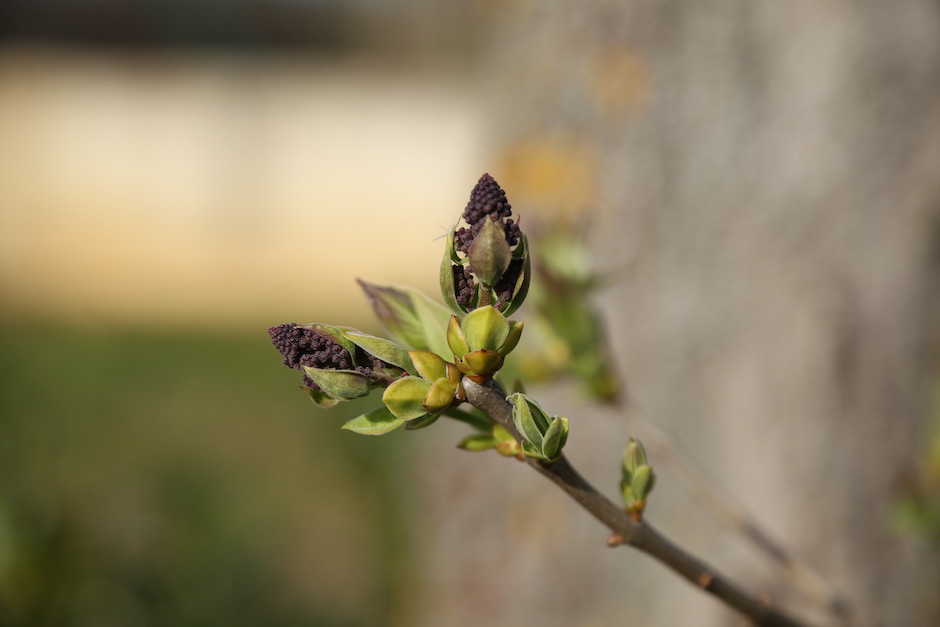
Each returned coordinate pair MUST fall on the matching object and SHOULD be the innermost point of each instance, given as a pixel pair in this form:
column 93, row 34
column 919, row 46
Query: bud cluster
column 486, row 262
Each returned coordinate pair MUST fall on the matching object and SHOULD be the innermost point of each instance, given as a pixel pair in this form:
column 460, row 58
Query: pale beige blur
column 223, row 189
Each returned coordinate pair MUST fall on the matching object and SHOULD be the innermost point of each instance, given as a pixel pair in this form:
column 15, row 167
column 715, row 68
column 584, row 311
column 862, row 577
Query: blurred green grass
column 174, row 477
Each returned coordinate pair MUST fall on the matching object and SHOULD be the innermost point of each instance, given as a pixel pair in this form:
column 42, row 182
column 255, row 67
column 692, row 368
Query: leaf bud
column 544, row 437
column 482, row 340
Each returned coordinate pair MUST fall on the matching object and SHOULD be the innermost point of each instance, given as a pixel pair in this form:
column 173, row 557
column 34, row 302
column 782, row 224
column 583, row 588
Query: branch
column 490, row 399
column 736, row 516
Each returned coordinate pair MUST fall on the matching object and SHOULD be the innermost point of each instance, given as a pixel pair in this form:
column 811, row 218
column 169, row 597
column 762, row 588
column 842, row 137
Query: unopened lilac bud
column 486, row 261
column 338, row 364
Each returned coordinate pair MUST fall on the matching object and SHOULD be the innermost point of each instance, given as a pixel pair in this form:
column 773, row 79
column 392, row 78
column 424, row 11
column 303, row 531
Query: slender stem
column 490, row 399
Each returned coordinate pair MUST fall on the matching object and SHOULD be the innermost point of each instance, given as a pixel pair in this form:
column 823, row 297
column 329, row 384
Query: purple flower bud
column 302, row 346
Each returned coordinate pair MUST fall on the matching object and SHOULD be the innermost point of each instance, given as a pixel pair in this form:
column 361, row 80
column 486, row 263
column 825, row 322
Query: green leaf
column 541, row 418
column 515, row 332
column 439, row 397
column 405, row 397
column 455, row 338
column 485, row 328
column 634, row 455
column 524, row 420
column 320, row 398
column 433, row 318
column 478, row 442
column 552, row 440
column 489, row 254
column 342, row 385
column 428, row 365
column 483, row 362
column 642, row 482
column 386, row 350
column 421, row 423
column 531, row 450
column 413, row 319
column 379, row 421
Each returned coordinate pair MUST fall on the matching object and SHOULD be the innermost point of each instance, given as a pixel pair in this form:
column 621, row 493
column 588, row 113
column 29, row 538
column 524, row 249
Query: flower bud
column 339, row 364
column 486, row 261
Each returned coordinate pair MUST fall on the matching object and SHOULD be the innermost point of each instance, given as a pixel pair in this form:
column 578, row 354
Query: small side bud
column 482, row 340
column 544, row 436
column 637, row 478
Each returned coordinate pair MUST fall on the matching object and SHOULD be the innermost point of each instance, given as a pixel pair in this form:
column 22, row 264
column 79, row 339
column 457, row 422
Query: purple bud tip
column 487, row 199
column 301, row 346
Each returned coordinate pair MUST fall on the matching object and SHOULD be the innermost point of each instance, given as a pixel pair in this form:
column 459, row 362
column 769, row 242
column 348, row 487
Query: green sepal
column 555, row 437
column 421, row 423
column 455, row 338
column 439, row 397
column 478, row 442
column 341, row 385
column 515, row 332
column 485, row 328
column 386, row 350
column 320, row 398
column 489, row 254
column 429, row 366
column 379, row 421
column 405, row 397
column 482, row 362
column 524, row 420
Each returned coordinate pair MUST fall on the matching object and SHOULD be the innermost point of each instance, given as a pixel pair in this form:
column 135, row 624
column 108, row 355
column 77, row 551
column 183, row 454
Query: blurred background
column 756, row 182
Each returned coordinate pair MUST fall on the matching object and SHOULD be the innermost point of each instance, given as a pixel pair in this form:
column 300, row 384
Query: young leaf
column 485, row 328
column 379, row 421
column 552, row 440
column 524, row 421
column 405, row 397
column 478, row 442
column 342, row 385
column 429, row 365
column 386, row 350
